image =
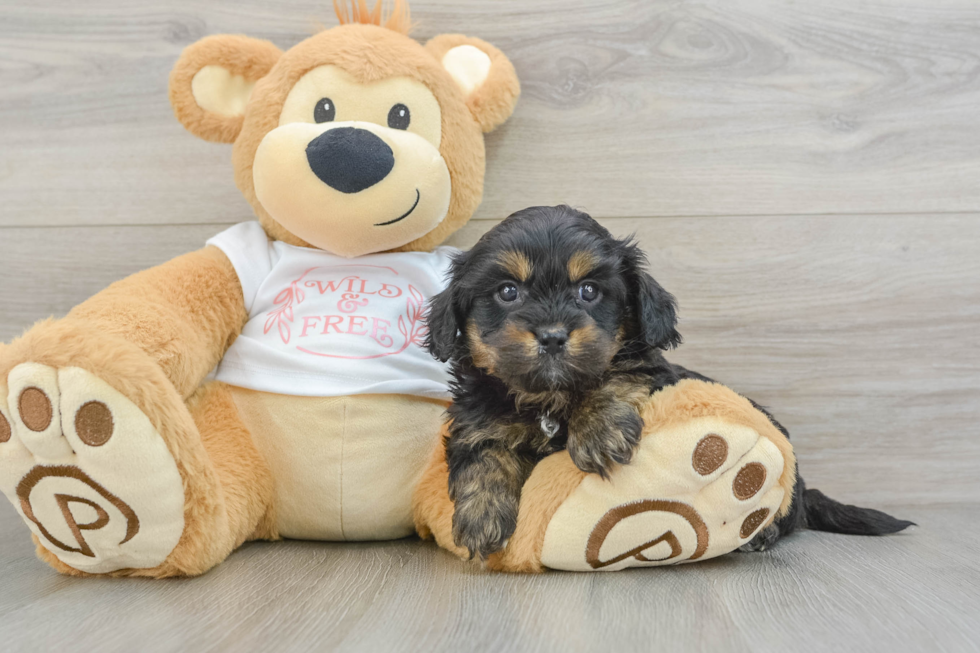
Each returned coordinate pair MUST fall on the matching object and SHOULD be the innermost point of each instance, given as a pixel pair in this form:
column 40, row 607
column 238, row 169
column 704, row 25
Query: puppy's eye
column 324, row 111
column 399, row 117
column 589, row 292
column 508, row 293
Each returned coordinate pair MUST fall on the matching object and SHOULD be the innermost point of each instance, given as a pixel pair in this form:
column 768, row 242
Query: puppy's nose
column 349, row 159
column 553, row 341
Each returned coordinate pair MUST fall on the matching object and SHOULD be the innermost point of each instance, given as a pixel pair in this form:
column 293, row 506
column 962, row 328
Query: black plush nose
column 349, row 159
column 553, row 340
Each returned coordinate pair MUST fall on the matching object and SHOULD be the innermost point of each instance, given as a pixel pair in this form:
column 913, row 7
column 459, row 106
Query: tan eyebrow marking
column 581, row 264
column 517, row 264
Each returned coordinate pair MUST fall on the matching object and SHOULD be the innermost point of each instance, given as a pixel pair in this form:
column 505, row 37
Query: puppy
column 555, row 334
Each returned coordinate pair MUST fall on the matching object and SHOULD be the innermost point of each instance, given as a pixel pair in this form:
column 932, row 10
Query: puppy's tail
column 821, row 513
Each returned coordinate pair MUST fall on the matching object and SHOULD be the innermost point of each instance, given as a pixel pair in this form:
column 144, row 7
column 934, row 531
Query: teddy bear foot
column 87, row 471
column 694, row 491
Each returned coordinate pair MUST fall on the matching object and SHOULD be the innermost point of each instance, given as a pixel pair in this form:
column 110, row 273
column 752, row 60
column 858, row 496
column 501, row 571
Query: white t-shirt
column 321, row 325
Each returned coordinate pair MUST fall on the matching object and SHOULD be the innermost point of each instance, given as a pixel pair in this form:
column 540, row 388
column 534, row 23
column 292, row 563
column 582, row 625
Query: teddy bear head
column 358, row 139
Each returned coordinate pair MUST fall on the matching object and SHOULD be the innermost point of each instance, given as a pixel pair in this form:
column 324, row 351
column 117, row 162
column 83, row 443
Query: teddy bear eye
column 399, row 117
column 324, row 111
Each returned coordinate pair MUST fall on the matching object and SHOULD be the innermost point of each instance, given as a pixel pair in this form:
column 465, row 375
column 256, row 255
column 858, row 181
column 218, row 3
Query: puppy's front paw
column 598, row 440
column 483, row 524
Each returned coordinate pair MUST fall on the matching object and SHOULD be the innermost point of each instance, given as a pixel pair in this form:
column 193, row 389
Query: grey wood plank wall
column 802, row 174
column 663, row 107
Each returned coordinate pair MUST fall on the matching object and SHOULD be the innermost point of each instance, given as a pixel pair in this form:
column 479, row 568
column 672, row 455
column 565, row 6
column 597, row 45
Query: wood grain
column 814, row 592
column 630, row 108
column 862, row 334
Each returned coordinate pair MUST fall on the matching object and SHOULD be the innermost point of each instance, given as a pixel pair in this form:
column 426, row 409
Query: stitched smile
column 418, row 196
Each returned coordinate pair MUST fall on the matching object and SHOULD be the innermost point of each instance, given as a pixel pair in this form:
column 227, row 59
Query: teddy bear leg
column 104, row 462
column 239, row 507
column 245, row 481
column 710, row 473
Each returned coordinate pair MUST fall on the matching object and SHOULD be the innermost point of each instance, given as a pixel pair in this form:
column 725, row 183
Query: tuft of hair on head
column 397, row 17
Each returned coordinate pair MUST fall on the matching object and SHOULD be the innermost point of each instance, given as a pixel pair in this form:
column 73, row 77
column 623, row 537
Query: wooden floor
column 804, row 176
column 814, row 592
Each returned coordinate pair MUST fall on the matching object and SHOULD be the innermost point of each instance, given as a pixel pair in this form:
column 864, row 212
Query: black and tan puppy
column 555, row 332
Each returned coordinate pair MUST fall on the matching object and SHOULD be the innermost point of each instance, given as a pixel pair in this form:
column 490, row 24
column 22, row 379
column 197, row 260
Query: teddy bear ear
column 211, row 82
column 486, row 77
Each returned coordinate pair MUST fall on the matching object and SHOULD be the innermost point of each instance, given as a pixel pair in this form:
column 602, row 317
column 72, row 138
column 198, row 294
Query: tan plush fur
column 154, row 337
column 183, row 314
column 370, row 53
column 240, row 55
column 244, row 477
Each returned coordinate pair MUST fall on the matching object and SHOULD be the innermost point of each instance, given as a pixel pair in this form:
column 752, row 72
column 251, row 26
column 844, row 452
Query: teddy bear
column 273, row 384
column 121, row 450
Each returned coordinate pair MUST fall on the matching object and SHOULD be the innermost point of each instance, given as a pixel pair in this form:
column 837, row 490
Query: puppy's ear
column 654, row 308
column 443, row 327
column 657, row 314
column 445, row 316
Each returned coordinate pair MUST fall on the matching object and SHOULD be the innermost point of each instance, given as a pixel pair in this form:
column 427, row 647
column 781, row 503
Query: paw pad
column 749, row 481
column 710, row 454
column 93, row 423
column 35, row 409
column 753, row 522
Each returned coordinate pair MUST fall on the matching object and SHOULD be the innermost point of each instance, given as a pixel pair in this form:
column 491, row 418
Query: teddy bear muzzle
column 351, row 188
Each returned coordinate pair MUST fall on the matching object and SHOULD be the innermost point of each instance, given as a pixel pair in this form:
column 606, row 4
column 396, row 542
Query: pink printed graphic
column 413, row 329
column 355, row 293
column 283, row 316
column 350, row 302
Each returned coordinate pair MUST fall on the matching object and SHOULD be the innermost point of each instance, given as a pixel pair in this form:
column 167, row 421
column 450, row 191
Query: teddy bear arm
column 184, row 314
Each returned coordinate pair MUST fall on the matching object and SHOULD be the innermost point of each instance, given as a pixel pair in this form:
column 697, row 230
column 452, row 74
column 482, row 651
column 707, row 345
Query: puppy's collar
column 549, row 425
